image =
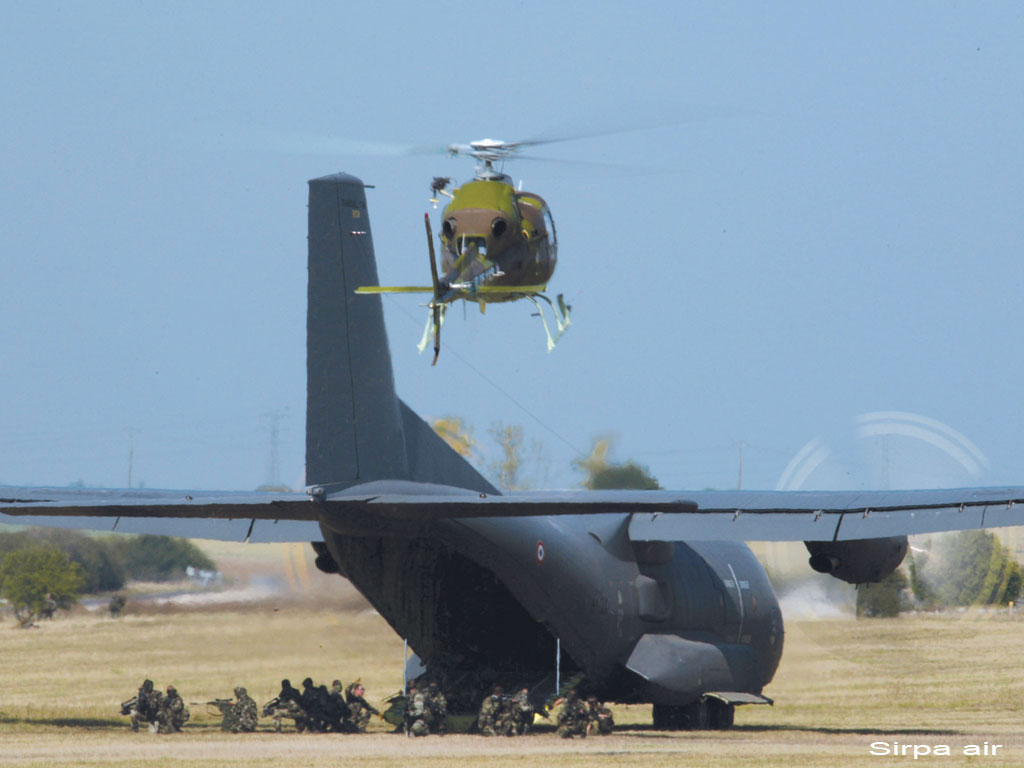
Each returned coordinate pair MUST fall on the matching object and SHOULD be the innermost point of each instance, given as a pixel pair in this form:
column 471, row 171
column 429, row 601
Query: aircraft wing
column 231, row 516
column 832, row 515
column 654, row 515
column 732, row 515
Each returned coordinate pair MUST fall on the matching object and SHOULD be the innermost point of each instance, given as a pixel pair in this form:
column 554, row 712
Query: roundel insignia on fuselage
column 540, row 552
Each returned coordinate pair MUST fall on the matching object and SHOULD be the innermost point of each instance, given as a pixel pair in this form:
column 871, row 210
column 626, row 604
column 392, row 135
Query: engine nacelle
column 858, row 561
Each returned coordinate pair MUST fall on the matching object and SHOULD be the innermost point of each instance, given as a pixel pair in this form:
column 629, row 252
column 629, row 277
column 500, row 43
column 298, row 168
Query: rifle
column 271, row 705
column 223, row 706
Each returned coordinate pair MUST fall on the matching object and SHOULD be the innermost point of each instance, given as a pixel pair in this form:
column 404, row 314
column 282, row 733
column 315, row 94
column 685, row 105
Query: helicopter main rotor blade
column 435, row 304
column 625, row 120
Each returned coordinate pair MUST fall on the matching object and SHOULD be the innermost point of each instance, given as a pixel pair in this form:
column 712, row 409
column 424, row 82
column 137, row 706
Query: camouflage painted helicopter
column 498, row 244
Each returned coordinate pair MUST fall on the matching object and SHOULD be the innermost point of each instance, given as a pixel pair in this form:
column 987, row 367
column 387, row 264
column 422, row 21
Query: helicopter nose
column 471, row 244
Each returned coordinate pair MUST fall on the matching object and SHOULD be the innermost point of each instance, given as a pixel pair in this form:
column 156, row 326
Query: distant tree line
column 42, row 570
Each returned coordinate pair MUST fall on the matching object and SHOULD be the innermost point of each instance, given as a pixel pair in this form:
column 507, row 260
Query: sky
column 791, row 233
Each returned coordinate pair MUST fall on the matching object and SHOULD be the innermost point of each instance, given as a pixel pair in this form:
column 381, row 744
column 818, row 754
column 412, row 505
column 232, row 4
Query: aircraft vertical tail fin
column 353, row 424
column 357, row 430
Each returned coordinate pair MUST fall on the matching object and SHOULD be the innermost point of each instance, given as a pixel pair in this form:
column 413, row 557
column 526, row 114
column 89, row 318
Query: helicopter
column 498, row 244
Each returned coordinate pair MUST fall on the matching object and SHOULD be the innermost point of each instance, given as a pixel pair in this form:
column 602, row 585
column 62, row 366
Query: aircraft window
column 498, row 227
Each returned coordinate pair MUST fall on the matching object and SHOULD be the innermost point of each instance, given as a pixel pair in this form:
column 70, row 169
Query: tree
column 38, row 578
column 510, row 441
column 603, row 475
column 884, row 599
column 965, row 568
column 456, row 434
column 161, row 558
column 101, row 566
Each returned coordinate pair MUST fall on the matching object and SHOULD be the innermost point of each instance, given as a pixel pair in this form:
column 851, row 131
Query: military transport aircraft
column 652, row 596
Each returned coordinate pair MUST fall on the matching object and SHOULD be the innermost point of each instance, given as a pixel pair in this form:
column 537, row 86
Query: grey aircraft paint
column 660, row 622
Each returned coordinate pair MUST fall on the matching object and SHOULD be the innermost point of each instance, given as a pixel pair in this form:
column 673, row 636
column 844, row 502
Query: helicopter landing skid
column 561, row 313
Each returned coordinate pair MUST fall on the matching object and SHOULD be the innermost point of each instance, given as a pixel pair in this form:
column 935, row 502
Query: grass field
column 919, row 680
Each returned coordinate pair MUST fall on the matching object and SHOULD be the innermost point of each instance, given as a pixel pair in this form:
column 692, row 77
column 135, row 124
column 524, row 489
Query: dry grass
column 842, row 685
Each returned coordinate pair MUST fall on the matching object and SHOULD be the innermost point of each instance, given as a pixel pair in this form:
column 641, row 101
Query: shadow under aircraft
column 646, row 596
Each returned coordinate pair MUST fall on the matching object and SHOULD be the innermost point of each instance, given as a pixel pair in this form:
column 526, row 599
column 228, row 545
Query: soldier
column 286, row 705
column 49, row 607
column 437, row 704
column 521, row 712
column 243, row 716
column 360, row 708
column 146, row 707
column 417, row 714
column 600, row 718
column 173, row 713
column 333, row 708
column 116, row 605
column 491, row 717
column 574, row 717
column 309, row 700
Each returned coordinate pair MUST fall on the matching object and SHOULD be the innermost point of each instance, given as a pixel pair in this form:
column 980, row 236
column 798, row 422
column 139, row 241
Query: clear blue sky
column 820, row 216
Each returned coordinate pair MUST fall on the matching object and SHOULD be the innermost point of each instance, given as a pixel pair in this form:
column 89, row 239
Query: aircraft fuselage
column 481, row 601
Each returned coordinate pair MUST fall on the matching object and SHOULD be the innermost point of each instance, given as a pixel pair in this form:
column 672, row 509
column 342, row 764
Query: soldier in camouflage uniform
column 574, row 717
column 333, row 708
column 491, row 720
column 286, row 705
column 146, row 708
column 173, row 714
column 437, row 703
column 417, row 714
column 309, row 699
column 601, row 720
column 360, row 708
column 243, row 716
column 521, row 713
